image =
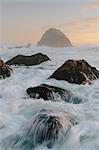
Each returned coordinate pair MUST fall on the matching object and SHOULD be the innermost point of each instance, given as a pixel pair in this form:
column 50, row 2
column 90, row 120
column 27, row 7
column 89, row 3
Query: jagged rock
column 48, row 92
column 49, row 127
column 52, row 93
column 76, row 71
column 54, row 38
column 28, row 60
column 5, row 70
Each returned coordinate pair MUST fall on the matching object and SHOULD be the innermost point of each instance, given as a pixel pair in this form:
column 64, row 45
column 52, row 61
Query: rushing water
column 17, row 109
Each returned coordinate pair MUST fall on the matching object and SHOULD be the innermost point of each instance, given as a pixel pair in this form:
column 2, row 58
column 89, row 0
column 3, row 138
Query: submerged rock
column 5, row 70
column 49, row 127
column 28, row 60
column 54, row 38
column 48, row 92
column 76, row 71
column 46, row 127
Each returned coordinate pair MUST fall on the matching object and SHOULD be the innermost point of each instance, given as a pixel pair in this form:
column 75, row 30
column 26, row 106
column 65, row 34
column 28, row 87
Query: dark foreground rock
column 48, row 92
column 54, row 38
column 46, row 127
column 5, row 70
column 76, row 71
column 49, row 127
column 28, row 60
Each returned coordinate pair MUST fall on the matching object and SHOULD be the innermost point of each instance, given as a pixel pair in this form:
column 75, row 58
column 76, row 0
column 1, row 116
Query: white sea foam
column 16, row 109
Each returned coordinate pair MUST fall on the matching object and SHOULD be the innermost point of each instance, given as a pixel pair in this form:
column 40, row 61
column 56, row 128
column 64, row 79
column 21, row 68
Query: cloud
column 79, row 25
column 91, row 5
column 83, row 30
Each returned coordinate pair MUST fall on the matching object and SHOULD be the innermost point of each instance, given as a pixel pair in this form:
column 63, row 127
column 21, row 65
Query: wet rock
column 46, row 127
column 48, row 92
column 5, row 70
column 49, row 127
column 76, row 71
column 54, row 38
column 28, row 60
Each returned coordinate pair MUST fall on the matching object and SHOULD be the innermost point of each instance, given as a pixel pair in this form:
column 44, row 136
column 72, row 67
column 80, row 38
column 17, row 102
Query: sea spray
column 15, row 111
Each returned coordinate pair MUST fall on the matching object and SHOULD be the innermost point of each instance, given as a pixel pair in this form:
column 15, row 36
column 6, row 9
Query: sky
column 24, row 21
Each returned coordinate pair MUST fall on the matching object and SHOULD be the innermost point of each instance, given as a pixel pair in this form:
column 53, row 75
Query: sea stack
column 54, row 38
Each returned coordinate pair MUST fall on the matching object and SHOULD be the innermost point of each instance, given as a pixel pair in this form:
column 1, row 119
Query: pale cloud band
column 91, row 5
column 82, row 30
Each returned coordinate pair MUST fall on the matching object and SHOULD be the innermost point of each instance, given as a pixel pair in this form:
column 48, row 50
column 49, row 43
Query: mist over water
column 17, row 109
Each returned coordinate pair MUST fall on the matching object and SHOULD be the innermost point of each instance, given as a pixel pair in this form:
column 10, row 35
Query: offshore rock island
column 54, row 38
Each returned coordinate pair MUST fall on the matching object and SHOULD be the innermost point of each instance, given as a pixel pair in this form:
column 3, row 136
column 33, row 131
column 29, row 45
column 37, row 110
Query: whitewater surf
column 18, row 110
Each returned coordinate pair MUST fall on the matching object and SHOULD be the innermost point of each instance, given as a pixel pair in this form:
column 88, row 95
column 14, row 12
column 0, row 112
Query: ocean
column 17, row 109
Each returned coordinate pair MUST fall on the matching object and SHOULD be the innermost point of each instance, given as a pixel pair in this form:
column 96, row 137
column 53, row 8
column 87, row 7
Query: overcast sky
column 23, row 21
